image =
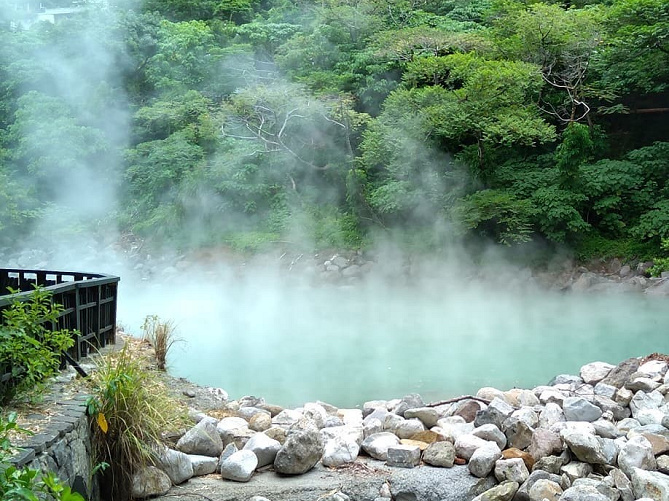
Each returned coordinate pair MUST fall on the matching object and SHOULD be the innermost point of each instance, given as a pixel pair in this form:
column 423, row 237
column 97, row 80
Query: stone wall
column 62, row 445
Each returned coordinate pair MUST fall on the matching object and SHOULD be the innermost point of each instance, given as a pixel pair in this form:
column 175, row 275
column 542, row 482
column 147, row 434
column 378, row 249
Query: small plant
column 29, row 351
column 161, row 335
column 129, row 410
column 26, row 484
column 660, row 264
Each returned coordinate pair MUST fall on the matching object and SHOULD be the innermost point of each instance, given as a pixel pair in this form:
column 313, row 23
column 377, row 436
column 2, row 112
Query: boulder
column 300, row 453
column 264, row 448
column 544, row 489
column 502, row 492
column 518, row 432
column 650, row 484
column 496, row 413
column 408, row 427
column 636, row 453
column 552, row 413
column 585, row 446
column 202, row 439
column 605, row 390
column 260, row 422
column 583, row 493
column 467, row 410
column 230, row 423
column 517, row 453
column 491, row 433
column 576, row 469
column 239, row 466
column 523, row 493
column 511, row 469
column 544, row 443
column 149, row 481
column 465, row 445
column 440, row 454
column 663, row 464
column 483, row 460
column 377, row 445
column 620, row 373
column 594, row 372
column 551, row 464
column 203, row 465
column 427, row 415
column 176, row 464
column 579, row 409
column 340, row 449
column 403, row 456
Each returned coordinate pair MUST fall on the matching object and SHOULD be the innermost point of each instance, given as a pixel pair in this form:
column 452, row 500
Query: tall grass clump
column 129, row 408
column 161, row 334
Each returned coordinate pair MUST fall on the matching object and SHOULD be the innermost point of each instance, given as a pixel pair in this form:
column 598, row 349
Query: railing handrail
column 88, row 304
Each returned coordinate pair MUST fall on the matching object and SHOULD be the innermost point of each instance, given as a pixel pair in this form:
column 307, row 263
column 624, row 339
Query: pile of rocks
column 599, row 436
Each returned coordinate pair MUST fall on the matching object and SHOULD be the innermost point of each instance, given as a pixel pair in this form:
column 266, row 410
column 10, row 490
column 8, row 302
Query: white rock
column 239, row 466
column 377, row 445
column 491, row 433
column 551, row 414
column 636, row 453
column 340, row 449
column 466, row 445
column 483, row 460
column 579, row 409
column 351, row 417
column 203, row 465
column 544, row 489
column 176, row 464
column 264, row 447
column 650, row 484
column 408, row 428
column 653, row 368
column 596, row 371
column 286, row 417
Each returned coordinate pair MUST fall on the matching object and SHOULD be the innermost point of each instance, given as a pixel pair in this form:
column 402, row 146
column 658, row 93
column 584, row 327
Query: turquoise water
column 348, row 345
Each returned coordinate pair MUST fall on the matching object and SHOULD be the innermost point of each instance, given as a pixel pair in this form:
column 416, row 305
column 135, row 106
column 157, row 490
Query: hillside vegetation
column 246, row 122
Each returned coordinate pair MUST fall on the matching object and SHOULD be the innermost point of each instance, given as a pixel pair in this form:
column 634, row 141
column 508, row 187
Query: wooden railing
column 88, row 303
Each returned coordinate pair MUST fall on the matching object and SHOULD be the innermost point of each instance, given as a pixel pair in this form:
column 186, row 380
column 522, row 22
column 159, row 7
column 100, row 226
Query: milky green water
column 348, row 345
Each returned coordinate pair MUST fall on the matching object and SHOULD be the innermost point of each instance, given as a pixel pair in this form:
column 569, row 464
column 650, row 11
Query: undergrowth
column 130, row 409
column 161, row 334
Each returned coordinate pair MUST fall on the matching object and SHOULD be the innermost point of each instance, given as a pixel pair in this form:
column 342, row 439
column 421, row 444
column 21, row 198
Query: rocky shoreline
column 602, row 435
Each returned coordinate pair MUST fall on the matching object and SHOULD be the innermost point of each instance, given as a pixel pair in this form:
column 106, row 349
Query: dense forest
column 250, row 122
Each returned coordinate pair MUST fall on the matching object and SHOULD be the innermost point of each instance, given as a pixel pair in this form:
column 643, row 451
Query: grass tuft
column 130, row 409
column 161, row 335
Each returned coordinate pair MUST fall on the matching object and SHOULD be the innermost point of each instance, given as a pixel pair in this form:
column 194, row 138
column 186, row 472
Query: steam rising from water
column 441, row 333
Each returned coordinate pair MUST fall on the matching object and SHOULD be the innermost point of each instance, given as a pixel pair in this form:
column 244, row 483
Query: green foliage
column 129, row 409
column 595, row 246
column 497, row 215
column 654, row 224
column 26, row 484
column 661, row 264
column 28, row 350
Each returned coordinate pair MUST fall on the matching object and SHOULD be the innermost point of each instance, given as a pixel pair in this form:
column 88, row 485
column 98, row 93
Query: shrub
column 26, row 484
column 161, row 335
column 129, row 410
column 30, row 351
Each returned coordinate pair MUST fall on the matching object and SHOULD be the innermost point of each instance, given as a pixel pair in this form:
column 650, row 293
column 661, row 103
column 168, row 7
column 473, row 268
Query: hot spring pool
column 293, row 344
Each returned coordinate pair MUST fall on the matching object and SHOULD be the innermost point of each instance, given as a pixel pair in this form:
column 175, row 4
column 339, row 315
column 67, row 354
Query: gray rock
column 502, row 492
column 149, row 481
column 286, row 417
column 654, row 368
column 545, row 489
column 260, row 422
column 408, row 428
column 496, row 413
column 440, row 454
column 511, row 469
column 622, row 483
column 176, row 464
column 403, row 456
column 435, row 484
column 636, row 453
column 552, row 396
column 377, row 445
column 576, row 469
column 551, row 464
column 609, row 406
column 427, row 415
column 552, row 413
column 523, row 493
column 641, row 383
column 579, row 409
column 202, row 439
column 491, row 433
column 606, row 429
column 650, row 484
column 203, row 465
column 620, row 373
column 239, row 466
column 518, row 432
column 483, row 460
column 586, row 447
column 605, row 390
column 264, row 448
column 372, row 427
column 300, row 453
column 663, row 464
column 227, row 424
column 248, row 412
column 583, row 493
